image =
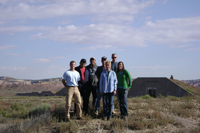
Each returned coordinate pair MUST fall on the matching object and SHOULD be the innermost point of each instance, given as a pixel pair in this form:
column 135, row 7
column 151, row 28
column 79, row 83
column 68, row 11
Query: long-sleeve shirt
column 108, row 81
column 122, row 78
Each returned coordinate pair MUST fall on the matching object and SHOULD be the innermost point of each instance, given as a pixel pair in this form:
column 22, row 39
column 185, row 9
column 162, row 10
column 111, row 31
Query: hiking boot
column 67, row 120
column 104, row 118
column 113, row 112
column 109, row 118
column 96, row 112
column 80, row 118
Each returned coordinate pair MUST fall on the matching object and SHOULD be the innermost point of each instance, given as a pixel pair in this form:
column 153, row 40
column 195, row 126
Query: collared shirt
column 71, row 78
column 114, row 66
column 108, row 82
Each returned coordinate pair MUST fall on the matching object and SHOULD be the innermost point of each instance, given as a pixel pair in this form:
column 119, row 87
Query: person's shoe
column 109, row 118
column 67, row 120
column 125, row 118
column 113, row 112
column 96, row 112
column 104, row 118
column 80, row 118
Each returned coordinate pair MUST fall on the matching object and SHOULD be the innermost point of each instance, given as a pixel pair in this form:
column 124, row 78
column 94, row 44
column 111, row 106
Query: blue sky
column 154, row 38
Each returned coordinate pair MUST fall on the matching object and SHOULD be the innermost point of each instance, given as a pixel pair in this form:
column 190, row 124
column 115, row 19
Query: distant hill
column 11, row 85
column 195, row 83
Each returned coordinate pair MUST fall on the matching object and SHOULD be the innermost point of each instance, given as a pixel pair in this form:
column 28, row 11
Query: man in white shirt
column 70, row 80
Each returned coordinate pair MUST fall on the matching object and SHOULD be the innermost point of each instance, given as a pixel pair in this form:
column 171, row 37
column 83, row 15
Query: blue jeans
column 107, row 102
column 97, row 105
column 122, row 94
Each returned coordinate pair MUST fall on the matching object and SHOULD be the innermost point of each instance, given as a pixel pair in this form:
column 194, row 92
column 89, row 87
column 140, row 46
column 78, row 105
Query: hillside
column 12, row 86
column 195, row 83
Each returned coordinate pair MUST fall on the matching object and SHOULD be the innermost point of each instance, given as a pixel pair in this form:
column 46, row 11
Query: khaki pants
column 72, row 91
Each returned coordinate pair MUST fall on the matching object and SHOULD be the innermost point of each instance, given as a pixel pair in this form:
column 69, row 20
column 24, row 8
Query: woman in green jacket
column 124, row 84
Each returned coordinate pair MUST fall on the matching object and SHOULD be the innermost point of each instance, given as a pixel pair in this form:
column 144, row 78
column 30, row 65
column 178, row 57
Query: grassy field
column 146, row 114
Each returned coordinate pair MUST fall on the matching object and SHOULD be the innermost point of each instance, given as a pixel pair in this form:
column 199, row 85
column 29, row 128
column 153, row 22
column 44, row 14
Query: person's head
column 108, row 65
column 103, row 60
column 92, row 61
column 82, row 63
column 114, row 57
column 72, row 65
column 120, row 66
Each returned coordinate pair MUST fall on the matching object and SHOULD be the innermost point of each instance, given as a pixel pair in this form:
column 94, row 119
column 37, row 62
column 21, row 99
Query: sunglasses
column 114, row 57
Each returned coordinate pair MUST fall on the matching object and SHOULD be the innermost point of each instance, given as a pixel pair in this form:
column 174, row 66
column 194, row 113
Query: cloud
column 181, row 46
column 95, row 34
column 97, row 47
column 21, row 72
column 40, row 9
column 172, row 31
column 18, row 54
column 42, row 61
column 150, row 67
column 7, row 47
column 47, row 60
column 193, row 49
column 24, row 28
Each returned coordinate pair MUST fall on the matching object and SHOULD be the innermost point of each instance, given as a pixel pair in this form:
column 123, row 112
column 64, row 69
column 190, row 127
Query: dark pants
column 122, row 94
column 86, row 94
column 107, row 104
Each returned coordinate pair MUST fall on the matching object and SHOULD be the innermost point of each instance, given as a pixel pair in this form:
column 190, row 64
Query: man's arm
column 64, row 82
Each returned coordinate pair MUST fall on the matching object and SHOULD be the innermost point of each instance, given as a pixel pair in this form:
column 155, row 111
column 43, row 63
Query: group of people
column 107, row 80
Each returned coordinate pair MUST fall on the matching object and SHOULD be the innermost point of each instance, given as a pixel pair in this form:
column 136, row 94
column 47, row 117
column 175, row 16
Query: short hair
column 114, row 54
column 72, row 62
column 108, row 63
column 118, row 66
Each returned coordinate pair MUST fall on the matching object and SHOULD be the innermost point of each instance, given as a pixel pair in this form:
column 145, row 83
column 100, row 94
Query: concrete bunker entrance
column 151, row 88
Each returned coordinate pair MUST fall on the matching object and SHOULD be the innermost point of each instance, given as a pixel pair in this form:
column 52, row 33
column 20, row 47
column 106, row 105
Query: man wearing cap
column 82, row 84
column 100, row 69
column 92, row 82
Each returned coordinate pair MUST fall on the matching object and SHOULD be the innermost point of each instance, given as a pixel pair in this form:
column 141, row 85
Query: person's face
column 82, row 64
column 121, row 66
column 93, row 62
column 72, row 65
column 114, row 58
column 108, row 66
column 103, row 63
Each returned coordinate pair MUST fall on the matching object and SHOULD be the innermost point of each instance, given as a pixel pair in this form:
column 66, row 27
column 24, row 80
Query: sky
column 153, row 38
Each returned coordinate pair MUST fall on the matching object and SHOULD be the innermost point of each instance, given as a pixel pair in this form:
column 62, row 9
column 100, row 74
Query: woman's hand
column 114, row 92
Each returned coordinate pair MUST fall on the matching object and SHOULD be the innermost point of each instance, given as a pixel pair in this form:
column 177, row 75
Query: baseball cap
column 83, row 60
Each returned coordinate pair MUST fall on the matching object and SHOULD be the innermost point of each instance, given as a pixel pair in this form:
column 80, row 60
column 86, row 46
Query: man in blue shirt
column 70, row 80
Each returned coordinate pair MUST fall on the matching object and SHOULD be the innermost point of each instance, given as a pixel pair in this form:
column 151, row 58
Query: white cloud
column 181, row 46
column 7, row 47
column 97, row 47
column 150, row 67
column 172, row 31
column 96, row 34
column 47, row 60
column 18, row 54
column 40, row 9
column 42, row 61
column 21, row 72
column 24, row 28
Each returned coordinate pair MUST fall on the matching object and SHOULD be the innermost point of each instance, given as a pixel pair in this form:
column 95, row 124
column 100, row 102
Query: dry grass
column 45, row 114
